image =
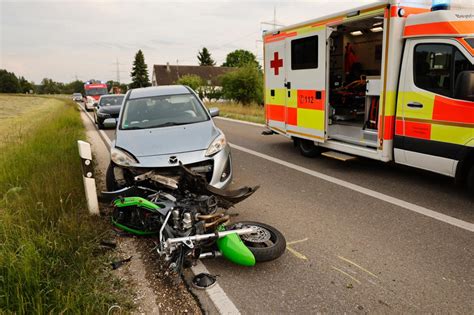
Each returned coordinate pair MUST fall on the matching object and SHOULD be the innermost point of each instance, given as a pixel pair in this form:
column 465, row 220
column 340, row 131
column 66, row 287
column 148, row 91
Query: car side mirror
column 214, row 111
column 464, row 87
column 110, row 123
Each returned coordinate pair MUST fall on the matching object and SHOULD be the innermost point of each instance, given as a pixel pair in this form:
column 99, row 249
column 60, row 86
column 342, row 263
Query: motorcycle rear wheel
column 267, row 244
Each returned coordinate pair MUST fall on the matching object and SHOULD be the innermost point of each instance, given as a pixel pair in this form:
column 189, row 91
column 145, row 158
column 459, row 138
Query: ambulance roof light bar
column 440, row 5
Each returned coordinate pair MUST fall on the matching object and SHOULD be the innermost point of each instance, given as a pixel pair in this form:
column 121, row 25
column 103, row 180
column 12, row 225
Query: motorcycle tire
column 268, row 244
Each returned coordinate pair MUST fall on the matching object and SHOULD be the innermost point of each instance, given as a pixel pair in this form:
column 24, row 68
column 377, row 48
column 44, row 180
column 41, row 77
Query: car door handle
column 415, row 105
column 287, row 85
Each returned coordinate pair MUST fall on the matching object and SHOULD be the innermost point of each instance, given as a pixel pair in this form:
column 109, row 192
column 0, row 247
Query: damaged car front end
column 159, row 129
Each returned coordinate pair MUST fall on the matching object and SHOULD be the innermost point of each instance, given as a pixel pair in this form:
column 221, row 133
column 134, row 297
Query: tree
column 48, row 86
column 25, row 86
column 240, row 58
column 9, row 82
column 244, row 85
column 139, row 72
column 114, row 86
column 75, row 86
column 205, row 58
column 191, row 80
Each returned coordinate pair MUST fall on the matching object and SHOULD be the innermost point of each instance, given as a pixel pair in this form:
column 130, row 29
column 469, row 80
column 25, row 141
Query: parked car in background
column 108, row 106
column 159, row 128
column 77, row 97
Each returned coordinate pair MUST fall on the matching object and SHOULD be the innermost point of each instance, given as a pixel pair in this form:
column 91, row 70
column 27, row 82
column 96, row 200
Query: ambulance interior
column 354, row 81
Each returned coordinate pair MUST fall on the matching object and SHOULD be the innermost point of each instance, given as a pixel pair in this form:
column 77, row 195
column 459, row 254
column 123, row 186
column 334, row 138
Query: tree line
column 243, row 85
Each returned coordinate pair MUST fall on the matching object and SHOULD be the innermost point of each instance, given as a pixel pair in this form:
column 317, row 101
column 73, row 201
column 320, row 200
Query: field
column 50, row 260
column 253, row 113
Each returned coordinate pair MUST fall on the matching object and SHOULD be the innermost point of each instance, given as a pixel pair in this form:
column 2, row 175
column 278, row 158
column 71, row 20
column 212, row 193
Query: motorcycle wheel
column 267, row 244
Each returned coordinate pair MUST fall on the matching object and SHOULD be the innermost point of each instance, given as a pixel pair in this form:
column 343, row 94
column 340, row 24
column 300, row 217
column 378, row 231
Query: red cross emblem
column 276, row 63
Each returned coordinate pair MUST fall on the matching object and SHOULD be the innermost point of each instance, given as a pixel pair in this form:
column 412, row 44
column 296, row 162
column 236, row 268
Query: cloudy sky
column 65, row 39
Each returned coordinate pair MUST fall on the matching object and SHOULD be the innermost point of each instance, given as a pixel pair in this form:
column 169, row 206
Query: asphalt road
column 348, row 252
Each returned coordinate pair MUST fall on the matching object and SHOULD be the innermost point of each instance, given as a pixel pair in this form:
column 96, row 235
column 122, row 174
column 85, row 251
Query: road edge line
column 216, row 294
column 366, row 191
column 240, row 121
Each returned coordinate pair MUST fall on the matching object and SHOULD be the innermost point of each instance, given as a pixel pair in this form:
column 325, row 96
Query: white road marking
column 395, row 201
column 216, row 294
column 240, row 121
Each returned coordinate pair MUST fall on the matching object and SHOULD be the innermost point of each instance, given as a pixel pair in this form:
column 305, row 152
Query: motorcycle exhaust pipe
column 202, row 237
column 213, row 254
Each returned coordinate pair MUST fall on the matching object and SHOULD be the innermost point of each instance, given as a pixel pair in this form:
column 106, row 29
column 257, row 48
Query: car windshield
column 162, row 111
column 77, row 94
column 96, row 91
column 111, row 100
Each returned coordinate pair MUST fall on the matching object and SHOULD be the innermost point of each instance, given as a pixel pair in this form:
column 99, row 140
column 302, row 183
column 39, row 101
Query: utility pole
column 118, row 70
column 274, row 22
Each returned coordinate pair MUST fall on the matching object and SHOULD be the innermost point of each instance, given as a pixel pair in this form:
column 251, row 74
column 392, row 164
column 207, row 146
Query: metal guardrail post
column 88, row 176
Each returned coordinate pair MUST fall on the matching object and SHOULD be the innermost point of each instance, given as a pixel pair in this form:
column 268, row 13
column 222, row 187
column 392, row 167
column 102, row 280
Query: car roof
column 158, row 91
column 111, row 95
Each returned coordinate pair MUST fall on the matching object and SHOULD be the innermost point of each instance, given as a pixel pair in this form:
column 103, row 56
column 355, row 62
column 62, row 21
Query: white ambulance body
column 390, row 82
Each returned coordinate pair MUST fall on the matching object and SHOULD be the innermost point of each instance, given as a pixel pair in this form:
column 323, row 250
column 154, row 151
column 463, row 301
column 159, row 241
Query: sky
column 82, row 39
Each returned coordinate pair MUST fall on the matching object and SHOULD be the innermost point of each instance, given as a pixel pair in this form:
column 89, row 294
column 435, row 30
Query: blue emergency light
column 437, row 5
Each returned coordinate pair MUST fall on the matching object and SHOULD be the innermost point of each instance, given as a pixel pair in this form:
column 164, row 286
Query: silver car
column 159, row 128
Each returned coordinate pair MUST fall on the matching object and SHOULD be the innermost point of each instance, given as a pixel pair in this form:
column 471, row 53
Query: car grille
column 205, row 168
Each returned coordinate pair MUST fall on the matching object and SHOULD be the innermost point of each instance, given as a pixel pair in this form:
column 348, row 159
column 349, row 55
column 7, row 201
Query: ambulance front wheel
column 307, row 147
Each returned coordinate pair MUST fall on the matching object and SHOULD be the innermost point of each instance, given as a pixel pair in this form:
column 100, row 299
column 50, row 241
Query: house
column 169, row 74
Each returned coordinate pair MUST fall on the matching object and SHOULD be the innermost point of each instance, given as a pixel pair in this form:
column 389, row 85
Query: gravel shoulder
column 154, row 290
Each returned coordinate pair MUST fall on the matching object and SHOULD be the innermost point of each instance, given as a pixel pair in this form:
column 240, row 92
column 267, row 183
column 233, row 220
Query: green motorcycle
column 192, row 221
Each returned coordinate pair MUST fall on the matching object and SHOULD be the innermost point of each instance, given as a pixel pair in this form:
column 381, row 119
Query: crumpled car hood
column 167, row 140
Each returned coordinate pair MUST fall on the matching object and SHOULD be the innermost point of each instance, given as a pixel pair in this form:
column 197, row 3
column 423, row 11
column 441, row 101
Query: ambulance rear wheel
column 470, row 182
column 307, row 147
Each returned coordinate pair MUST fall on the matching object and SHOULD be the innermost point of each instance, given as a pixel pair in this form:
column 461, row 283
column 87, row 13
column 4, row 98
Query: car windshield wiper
column 169, row 123
column 132, row 127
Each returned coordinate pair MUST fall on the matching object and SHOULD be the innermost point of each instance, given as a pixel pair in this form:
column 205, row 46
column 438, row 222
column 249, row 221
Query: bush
column 244, row 85
column 191, row 80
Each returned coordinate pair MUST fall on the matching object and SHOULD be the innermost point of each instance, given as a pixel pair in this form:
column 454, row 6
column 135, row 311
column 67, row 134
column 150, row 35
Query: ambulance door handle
column 415, row 105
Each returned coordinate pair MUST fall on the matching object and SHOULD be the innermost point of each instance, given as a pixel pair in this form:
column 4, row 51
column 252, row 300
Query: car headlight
column 217, row 145
column 122, row 158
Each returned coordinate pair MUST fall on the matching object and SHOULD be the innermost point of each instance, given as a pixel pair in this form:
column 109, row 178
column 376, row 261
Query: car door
column 433, row 123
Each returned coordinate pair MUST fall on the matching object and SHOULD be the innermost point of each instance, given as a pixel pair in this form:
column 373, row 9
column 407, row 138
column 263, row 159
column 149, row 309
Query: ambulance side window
column 436, row 67
column 304, row 53
column 433, row 68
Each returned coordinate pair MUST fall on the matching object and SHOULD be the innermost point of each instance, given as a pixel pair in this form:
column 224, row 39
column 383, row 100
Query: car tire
column 100, row 125
column 110, row 182
column 307, row 148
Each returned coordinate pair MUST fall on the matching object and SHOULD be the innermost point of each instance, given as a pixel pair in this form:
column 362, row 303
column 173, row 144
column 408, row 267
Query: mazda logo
column 173, row 160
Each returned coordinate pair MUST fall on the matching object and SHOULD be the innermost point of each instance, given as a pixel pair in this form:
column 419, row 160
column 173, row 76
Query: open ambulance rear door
column 295, row 82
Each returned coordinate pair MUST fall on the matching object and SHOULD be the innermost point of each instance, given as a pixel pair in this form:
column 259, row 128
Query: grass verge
column 253, row 113
column 50, row 261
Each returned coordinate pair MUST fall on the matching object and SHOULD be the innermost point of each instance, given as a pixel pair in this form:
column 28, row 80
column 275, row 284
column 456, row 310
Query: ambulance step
column 338, row 156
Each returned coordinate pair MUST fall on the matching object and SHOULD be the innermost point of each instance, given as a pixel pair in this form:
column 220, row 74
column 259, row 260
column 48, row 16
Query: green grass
column 49, row 256
column 253, row 113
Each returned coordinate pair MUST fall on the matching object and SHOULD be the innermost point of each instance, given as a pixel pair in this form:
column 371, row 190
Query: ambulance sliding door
column 306, row 85
column 275, row 99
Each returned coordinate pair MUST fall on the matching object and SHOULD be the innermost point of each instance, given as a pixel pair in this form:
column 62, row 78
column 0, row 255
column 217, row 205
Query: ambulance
column 391, row 81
